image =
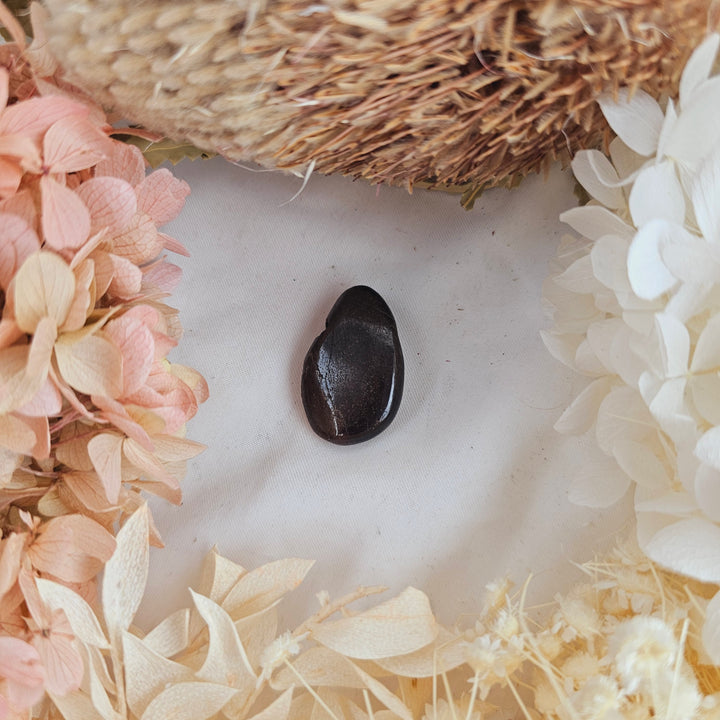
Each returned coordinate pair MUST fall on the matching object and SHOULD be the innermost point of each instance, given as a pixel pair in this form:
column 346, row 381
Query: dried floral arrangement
column 91, row 411
column 91, row 414
column 469, row 94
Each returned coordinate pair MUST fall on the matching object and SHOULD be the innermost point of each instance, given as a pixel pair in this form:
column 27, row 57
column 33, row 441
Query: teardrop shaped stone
column 352, row 378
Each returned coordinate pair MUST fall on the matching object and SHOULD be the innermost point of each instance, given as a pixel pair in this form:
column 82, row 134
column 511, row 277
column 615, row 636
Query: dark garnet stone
column 352, row 379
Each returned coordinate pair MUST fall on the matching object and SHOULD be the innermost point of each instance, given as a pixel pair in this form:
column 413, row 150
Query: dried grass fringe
column 448, row 92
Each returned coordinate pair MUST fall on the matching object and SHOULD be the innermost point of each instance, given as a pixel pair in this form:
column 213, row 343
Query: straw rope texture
column 394, row 91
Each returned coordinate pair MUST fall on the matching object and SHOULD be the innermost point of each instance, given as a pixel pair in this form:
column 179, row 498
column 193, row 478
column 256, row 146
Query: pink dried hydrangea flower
column 91, row 410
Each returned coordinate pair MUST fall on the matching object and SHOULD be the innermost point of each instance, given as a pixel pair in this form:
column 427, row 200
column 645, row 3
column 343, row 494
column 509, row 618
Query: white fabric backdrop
column 467, row 484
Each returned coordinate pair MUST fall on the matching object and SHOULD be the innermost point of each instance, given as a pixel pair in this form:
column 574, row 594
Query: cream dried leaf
column 219, row 576
column 189, row 701
column 263, row 587
column 171, row 636
column 443, row 655
column 147, row 673
column 278, row 709
column 126, row 574
column 80, row 615
column 391, row 701
column 318, row 667
column 76, row 706
column 226, row 661
column 398, row 626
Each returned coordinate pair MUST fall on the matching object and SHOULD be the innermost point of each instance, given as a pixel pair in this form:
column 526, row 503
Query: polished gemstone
column 352, row 378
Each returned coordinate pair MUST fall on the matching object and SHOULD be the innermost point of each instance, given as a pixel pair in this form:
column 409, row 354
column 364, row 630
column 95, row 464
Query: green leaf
column 156, row 153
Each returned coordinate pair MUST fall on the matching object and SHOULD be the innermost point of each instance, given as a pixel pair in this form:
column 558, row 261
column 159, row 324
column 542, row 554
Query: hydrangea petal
column 47, row 402
column 698, row 67
column 704, row 193
column 594, row 221
column 10, row 177
column 706, row 355
column 696, row 129
column 657, row 193
column 581, row 413
column 44, row 287
column 705, row 392
column 163, row 276
column 65, row 219
column 111, row 202
column 622, row 414
column 609, row 262
column 636, row 120
column 91, row 365
column 688, row 300
column 674, row 344
column 161, row 196
column 626, row 161
column 597, row 175
column 73, row 143
column 690, row 547
column 641, row 464
column 587, row 362
column 126, row 278
column 33, row 117
column 670, row 410
column 598, row 482
column 105, row 450
column 667, row 128
column 124, row 161
column 601, row 336
column 648, row 274
column 708, row 448
column 18, row 241
column 578, row 277
column 562, row 346
column 672, row 503
column 689, row 258
column 4, row 87
column 707, row 491
column 140, row 241
column 136, row 344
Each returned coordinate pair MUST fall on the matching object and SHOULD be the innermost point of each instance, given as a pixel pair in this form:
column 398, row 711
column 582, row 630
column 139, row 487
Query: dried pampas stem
column 394, row 91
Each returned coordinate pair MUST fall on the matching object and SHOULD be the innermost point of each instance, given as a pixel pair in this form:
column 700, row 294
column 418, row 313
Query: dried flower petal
column 72, row 548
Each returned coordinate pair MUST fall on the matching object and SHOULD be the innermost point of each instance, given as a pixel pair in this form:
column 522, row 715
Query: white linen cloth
column 467, row 484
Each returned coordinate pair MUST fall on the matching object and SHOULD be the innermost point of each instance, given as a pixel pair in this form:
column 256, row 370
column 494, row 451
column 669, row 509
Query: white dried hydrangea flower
column 636, row 308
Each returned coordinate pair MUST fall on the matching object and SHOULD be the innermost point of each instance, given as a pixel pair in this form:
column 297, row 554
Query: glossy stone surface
column 352, row 378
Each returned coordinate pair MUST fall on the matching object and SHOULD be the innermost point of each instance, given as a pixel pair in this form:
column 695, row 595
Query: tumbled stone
column 352, row 378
